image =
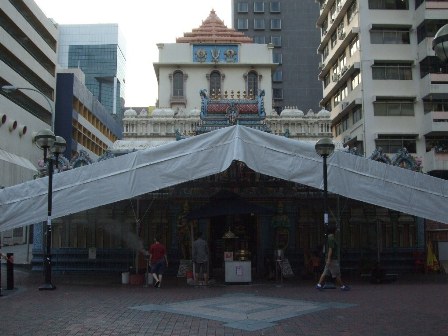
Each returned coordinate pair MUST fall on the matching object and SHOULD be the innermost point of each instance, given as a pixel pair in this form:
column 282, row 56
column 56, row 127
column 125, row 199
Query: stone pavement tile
column 81, row 307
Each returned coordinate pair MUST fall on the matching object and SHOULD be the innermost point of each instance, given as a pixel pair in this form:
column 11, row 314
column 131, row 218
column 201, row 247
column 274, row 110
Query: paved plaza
column 101, row 305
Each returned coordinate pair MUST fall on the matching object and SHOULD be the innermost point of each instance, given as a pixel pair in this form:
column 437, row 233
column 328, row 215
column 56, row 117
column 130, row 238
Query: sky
column 143, row 23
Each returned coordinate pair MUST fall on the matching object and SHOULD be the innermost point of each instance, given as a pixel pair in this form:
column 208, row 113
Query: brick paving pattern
column 415, row 305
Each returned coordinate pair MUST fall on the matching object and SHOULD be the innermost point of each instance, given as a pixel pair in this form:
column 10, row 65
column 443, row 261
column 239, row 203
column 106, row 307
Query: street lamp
column 47, row 141
column 12, row 88
column 325, row 147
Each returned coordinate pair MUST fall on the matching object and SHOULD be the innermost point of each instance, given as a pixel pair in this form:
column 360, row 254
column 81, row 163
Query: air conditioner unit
column 344, row 69
column 341, row 36
column 321, row 65
column 346, row 138
column 335, row 77
column 323, row 6
column 344, row 106
column 332, row 21
column 325, row 32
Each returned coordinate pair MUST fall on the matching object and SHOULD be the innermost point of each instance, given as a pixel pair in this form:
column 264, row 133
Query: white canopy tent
column 152, row 169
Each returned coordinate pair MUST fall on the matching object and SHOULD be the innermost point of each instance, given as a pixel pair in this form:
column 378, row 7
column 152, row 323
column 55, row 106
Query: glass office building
column 99, row 51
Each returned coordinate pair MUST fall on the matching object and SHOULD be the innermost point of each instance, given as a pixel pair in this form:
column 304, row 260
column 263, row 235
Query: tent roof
column 152, row 169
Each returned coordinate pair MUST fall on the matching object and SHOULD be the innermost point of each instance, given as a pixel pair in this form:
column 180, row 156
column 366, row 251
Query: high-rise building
column 82, row 120
column 383, row 84
column 27, row 61
column 99, row 51
column 290, row 26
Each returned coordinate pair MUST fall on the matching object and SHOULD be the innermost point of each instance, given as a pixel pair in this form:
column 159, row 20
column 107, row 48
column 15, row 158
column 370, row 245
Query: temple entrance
column 237, row 234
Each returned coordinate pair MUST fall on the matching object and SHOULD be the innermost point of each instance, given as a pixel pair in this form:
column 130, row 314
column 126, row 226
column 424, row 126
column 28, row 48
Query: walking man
column 332, row 266
column 159, row 261
column 200, row 258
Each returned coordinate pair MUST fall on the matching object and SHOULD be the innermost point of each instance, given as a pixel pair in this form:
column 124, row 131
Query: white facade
column 28, row 60
column 373, row 68
column 179, row 56
column 178, row 115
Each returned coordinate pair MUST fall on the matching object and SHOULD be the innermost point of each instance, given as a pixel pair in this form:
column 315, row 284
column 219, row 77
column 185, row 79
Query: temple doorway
column 237, row 234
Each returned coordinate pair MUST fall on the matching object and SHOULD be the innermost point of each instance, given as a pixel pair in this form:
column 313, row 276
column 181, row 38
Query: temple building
column 213, row 78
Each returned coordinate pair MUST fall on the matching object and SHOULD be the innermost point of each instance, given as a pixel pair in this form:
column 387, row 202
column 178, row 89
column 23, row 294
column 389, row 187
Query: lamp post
column 12, row 88
column 51, row 145
column 47, row 141
column 440, row 44
column 325, row 147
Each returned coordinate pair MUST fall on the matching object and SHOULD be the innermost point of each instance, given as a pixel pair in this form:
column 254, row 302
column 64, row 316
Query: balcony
column 425, row 49
column 435, row 161
column 434, row 86
column 435, row 123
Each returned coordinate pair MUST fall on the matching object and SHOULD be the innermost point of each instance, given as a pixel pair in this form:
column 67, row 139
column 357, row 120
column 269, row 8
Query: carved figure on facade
column 354, row 151
column 215, row 53
column 81, row 159
column 379, row 156
column 405, row 160
column 280, row 224
column 230, row 55
column 201, row 55
column 183, row 233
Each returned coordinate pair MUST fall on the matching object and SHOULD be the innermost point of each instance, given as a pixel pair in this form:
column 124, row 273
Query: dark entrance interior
column 244, row 226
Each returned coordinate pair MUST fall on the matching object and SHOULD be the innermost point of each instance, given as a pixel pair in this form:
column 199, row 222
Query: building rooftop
column 213, row 30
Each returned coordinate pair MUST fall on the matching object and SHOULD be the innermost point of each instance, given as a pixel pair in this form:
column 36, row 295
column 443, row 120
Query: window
column 341, row 126
column 215, row 82
column 356, row 80
column 258, row 7
column 243, row 7
column 342, row 62
column 388, row 4
column 435, row 106
column 389, row 36
column 393, row 108
column 259, row 24
column 252, row 83
column 178, row 84
column 277, row 76
column 333, row 13
column 277, row 94
column 326, row 52
column 393, row 143
column 276, row 41
column 326, row 80
column 392, row 71
column 429, row 28
column 243, row 24
column 357, row 115
column 260, row 39
column 277, row 58
column 354, row 46
column 275, row 7
column 351, row 11
column 276, row 24
column 334, row 40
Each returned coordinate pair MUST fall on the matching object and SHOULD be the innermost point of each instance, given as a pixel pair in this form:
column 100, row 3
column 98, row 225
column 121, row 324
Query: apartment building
column 382, row 82
column 289, row 25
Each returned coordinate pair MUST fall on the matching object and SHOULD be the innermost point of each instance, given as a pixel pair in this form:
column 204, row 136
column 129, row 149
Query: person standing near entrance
column 159, row 261
column 200, row 258
column 332, row 266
